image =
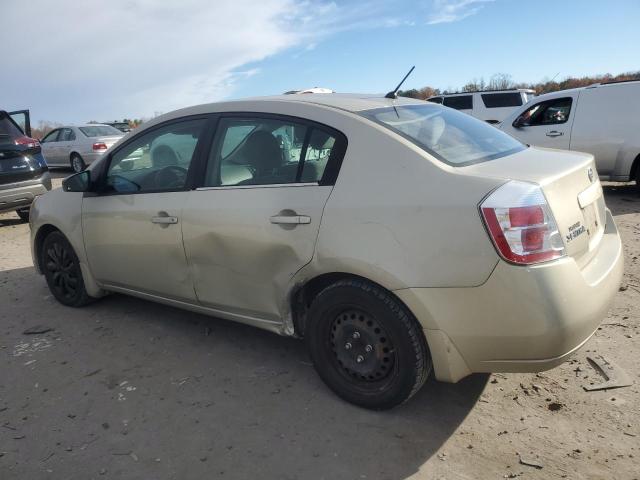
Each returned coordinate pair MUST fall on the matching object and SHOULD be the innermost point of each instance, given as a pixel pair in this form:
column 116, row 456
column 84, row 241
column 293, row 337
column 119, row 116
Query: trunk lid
column 571, row 186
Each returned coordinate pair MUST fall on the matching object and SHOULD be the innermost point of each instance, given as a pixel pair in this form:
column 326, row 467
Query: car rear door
column 132, row 225
column 254, row 221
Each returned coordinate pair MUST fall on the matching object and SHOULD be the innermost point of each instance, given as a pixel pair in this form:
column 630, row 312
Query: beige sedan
column 398, row 237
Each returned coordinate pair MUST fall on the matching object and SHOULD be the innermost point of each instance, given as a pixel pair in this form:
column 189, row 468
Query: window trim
column 98, row 188
column 570, row 98
column 331, row 171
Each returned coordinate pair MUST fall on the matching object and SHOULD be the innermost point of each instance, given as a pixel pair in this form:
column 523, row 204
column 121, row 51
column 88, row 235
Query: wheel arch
column 40, row 235
column 305, row 292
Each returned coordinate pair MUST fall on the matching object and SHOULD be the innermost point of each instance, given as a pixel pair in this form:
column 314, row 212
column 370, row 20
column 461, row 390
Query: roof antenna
column 394, row 93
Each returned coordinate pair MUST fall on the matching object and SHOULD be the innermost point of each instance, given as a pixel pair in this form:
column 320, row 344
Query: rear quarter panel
column 397, row 217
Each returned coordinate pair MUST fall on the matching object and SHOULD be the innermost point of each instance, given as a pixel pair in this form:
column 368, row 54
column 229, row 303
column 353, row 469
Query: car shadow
column 10, row 221
column 189, row 396
column 622, row 198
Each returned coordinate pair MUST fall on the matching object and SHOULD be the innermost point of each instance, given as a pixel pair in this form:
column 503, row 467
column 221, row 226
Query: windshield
column 452, row 137
column 100, row 131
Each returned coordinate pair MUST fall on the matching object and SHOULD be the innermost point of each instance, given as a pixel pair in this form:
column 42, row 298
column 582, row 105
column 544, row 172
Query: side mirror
column 80, row 182
column 519, row 122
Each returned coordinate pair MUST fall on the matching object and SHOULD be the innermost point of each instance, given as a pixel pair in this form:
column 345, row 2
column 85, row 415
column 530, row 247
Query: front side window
column 266, row 151
column 155, row 161
column 51, row 137
column 459, row 102
column 452, row 137
column 498, row 100
column 551, row 112
column 100, row 131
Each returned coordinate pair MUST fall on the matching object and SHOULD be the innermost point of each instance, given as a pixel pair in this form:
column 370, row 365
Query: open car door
column 22, row 118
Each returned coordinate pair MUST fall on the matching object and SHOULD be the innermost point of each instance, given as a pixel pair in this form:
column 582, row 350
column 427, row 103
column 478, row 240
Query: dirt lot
column 128, row 389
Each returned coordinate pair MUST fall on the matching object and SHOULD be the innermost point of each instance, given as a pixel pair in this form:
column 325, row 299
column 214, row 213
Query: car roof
column 343, row 101
column 350, row 102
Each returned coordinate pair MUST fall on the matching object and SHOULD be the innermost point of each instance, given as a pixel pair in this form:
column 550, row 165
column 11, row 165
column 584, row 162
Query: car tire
column 61, row 269
column 77, row 163
column 365, row 344
column 23, row 213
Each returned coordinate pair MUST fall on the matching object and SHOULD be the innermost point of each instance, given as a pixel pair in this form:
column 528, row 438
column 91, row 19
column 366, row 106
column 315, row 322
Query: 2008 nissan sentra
column 398, row 237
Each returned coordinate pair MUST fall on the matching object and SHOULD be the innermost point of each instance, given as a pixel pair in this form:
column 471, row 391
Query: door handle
column 290, row 219
column 554, row 133
column 163, row 218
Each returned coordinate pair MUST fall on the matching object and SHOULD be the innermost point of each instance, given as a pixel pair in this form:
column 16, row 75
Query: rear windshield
column 8, row 131
column 453, row 137
column 100, row 131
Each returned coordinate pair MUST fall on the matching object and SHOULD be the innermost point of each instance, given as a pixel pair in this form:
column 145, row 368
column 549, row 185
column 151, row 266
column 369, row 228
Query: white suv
column 492, row 106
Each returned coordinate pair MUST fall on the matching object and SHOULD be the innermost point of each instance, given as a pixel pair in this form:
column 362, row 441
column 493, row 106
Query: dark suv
column 23, row 170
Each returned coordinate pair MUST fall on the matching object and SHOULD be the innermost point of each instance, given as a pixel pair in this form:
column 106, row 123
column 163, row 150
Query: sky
column 72, row 62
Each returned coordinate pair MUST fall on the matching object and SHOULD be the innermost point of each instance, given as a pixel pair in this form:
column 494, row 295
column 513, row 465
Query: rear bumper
column 91, row 157
column 18, row 195
column 522, row 319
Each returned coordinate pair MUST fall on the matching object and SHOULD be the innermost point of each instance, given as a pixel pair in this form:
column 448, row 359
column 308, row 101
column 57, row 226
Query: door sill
column 270, row 325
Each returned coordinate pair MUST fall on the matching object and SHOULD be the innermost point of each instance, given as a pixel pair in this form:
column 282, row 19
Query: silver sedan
column 78, row 146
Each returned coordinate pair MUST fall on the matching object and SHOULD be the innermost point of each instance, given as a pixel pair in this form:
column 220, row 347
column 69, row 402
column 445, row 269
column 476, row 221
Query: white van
column 602, row 119
column 492, row 106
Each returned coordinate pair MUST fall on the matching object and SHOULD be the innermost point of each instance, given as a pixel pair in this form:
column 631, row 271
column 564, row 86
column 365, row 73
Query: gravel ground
column 128, row 389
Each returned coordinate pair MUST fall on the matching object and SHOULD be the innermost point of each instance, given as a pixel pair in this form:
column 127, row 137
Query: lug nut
column 356, row 335
column 347, row 346
column 368, row 348
column 359, row 359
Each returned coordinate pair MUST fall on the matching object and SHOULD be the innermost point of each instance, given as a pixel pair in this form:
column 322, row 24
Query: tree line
column 503, row 81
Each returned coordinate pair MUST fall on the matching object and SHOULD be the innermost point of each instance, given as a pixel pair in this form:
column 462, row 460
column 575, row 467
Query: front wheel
column 61, row 269
column 366, row 346
column 77, row 163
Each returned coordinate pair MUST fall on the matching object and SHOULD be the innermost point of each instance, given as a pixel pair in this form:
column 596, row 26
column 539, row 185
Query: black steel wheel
column 365, row 345
column 62, row 271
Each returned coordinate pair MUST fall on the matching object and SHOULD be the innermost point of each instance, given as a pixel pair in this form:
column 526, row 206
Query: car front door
column 254, row 221
column 132, row 225
column 545, row 124
column 50, row 149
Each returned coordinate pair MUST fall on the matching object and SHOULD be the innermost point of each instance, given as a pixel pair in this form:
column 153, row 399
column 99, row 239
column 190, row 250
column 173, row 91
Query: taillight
column 521, row 224
column 99, row 146
column 27, row 142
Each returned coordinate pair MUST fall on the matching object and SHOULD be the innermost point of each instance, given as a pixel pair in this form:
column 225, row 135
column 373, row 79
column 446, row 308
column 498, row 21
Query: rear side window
column 66, row 135
column 452, row 137
column 497, row 100
column 8, row 131
column 459, row 102
column 269, row 151
column 551, row 112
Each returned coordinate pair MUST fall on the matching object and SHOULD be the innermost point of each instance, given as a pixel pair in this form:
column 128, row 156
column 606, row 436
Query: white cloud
column 447, row 11
column 102, row 60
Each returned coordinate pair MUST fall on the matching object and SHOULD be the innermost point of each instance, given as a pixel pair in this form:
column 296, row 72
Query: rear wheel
column 23, row 213
column 365, row 345
column 61, row 269
column 77, row 163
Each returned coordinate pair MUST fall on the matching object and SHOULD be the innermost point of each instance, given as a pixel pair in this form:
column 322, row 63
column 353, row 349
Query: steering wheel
column 171, row 176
